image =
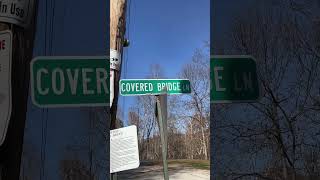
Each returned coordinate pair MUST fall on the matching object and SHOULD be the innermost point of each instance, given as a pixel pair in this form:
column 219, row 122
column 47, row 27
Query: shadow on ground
column 149, row 171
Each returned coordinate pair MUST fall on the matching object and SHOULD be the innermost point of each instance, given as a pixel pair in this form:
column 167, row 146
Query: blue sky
column 163, row 32
column 222, row 14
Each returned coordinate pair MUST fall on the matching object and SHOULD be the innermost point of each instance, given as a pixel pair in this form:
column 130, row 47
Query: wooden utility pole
column 117, row 41
column 22, row 52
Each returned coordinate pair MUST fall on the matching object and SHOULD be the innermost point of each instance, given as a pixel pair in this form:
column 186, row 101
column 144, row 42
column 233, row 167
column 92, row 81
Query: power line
column 52, row 25
column 48, row 50
column 43, row 110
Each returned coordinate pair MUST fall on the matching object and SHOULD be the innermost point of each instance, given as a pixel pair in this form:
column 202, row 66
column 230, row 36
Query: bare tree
column 30, row 163
column 88, row 152
column 75, row 170
column 188, row 115
column 143, row 115
column 120, row 118
column 272, row 133
column 197, row 103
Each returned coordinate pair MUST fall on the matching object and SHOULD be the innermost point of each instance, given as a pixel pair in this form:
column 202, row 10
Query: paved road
column 154, row 172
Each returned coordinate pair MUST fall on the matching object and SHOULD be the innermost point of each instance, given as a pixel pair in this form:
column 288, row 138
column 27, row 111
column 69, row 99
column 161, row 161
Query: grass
column 197, row 164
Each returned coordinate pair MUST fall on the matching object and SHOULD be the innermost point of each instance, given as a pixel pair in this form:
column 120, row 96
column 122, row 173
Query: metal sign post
column 161, row 114
column 160, row 88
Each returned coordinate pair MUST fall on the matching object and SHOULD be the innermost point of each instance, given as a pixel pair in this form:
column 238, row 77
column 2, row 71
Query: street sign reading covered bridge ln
column 70, row 81
column 133, row 87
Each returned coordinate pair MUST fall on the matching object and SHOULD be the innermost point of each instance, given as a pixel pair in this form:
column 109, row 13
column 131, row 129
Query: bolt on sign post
column 233, row 79
column 161, row 114
column 70, row 81
column 134, row 87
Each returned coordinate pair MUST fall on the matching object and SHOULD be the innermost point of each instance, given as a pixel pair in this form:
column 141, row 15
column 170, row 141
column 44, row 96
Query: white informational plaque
column 124, row 152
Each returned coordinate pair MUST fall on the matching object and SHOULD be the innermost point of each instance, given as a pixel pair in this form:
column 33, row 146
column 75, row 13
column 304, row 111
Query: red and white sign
column 5, row 81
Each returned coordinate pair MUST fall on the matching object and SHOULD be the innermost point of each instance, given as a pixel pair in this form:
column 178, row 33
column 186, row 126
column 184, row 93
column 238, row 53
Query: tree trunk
column 204, row 144
column 285, row 170
column 186, row 145
column 191, row 147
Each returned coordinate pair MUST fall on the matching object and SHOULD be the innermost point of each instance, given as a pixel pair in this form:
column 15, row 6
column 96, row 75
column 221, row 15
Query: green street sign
column 233, row 79
column 70, row 81
column 134, row 87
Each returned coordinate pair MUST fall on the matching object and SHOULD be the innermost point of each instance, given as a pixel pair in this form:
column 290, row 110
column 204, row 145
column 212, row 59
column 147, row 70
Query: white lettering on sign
column 86, row 80
column 245, row 78
column 137, row 87
column 5, row 81
column 101, row 80
column 157, row 87
column 248, row 85
column 236, row 83
column 55, row 73
column 18, row 12
column 73, row 80
column 217, row 78
column 124, row 152
column 174, row 86
column 58, row 80
column 39, row 85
